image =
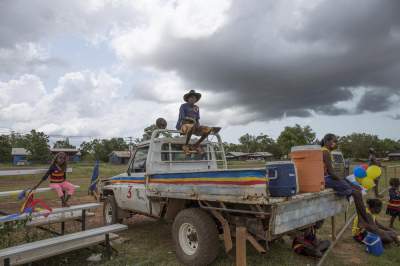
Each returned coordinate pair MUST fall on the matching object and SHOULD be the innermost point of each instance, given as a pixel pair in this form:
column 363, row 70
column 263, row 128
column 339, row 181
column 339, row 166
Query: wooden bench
column 13, row 193
column 62, row 244
column 58, row 215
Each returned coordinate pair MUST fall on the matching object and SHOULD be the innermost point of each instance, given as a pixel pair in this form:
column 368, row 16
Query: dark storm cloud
column 396, row 117
column 275, row 65
column 376, row 100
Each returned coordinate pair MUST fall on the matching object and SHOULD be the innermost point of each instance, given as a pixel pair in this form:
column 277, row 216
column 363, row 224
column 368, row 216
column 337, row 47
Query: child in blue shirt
column 189, row 122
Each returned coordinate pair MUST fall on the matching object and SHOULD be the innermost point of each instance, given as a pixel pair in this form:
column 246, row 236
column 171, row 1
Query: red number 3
column 129, row 195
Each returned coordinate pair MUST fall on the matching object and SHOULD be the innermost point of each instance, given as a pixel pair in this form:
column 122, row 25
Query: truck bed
column 236, row 185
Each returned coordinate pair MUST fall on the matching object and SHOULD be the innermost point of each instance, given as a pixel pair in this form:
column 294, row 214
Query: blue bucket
column 374, row 244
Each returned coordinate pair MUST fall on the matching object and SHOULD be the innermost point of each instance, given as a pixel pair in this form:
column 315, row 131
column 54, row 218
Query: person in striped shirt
column 57, row 175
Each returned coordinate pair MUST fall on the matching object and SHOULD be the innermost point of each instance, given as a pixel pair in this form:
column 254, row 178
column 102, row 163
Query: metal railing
column 389, row 172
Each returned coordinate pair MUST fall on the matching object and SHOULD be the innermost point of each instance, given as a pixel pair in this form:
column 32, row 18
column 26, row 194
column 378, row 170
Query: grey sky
column 114, row 66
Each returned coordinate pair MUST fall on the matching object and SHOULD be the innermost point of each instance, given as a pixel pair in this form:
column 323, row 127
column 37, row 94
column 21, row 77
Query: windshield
column 138, row 163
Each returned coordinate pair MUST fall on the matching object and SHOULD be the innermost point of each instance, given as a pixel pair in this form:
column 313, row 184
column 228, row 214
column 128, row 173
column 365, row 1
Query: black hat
column 192, row 93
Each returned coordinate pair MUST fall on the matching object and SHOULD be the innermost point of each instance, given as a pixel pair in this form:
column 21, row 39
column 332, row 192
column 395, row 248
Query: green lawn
column 150, row 241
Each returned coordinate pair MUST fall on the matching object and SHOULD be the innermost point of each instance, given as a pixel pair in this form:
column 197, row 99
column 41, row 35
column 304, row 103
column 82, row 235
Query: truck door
column 134, row 192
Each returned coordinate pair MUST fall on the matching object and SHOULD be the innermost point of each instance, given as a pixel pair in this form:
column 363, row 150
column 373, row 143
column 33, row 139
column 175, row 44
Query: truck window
column 177, row 154
column 139, row 161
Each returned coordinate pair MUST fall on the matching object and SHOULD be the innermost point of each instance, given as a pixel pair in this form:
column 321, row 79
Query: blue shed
column 20, row 156
column 119, row 157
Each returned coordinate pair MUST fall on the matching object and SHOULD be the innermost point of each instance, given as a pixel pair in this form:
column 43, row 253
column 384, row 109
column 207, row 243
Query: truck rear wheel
column 110, row 211
column 196, row 237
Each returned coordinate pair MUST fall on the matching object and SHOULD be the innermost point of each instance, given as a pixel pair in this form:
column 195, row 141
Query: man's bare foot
column 215, row 130
column 186, row 149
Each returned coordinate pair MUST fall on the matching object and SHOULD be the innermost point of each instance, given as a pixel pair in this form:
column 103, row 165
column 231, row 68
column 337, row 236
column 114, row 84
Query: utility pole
column 130, row 144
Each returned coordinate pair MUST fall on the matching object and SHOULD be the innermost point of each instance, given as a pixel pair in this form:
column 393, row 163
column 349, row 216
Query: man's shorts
column 342, row 186
column 196, row 130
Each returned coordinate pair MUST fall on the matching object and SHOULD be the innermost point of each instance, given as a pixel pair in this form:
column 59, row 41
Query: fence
column 389, row 172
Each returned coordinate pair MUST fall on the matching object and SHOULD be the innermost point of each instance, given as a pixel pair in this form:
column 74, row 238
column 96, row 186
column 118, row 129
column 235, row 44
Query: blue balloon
column 360, row 172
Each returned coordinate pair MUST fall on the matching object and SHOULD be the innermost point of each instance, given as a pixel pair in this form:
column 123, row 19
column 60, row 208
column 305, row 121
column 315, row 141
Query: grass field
column 150, row 243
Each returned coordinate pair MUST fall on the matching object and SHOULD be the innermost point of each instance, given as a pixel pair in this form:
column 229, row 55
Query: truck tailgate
column 305, row 209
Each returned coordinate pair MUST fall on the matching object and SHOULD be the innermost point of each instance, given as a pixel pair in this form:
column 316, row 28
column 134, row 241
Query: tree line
column 355, row 145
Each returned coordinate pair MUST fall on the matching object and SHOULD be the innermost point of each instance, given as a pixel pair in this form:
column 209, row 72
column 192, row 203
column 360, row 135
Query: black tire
column 206, row 237
column 110, row 208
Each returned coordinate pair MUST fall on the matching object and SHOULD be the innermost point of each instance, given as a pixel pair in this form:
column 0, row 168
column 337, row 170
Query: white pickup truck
column 204, row 198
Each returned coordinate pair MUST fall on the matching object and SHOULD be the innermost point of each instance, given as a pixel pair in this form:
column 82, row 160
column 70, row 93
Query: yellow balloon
column 359, row 180
column 374, row 172
column 367, row 183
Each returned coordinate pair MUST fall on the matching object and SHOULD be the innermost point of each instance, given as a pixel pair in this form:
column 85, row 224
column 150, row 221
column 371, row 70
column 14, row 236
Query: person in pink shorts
column 57, row 175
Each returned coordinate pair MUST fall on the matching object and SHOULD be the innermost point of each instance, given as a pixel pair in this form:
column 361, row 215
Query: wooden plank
column 57, row 245
column 17, row 192
column 255, row 244
column 36, row 171
column 31, row 256
column 58, row 218
column 333, row 223
column 227, row 231
column 55, row 211
column 241, row 238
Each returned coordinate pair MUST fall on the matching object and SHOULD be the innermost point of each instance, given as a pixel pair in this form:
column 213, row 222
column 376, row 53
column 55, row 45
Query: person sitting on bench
column 189, row 122
column 58, row 175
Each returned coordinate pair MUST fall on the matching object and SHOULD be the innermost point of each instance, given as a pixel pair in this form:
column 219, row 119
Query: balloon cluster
column 366, row 175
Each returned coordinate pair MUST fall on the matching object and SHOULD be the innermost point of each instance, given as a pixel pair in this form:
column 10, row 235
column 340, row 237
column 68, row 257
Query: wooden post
column 333, row 228
column 241, row 238
column 62, row 228
column 83, row 220
column 108, row 246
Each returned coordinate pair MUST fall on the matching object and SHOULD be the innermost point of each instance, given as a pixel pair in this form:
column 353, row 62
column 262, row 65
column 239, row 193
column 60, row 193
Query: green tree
column 37, row 143
column 293, row 136
column 101, row 149
column 63, row 144
column 5, row 148
column 356, row 145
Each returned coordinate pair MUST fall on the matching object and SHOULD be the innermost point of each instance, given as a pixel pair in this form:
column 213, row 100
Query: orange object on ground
column 310, row 167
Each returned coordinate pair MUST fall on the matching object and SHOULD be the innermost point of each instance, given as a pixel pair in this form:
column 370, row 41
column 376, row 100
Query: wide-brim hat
column 192, row 93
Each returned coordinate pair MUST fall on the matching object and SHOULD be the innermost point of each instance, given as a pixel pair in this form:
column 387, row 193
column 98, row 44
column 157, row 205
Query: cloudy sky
column 106, row 68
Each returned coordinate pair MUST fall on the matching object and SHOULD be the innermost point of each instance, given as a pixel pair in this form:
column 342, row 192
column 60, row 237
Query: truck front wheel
column 110, row 211
column 196, row 237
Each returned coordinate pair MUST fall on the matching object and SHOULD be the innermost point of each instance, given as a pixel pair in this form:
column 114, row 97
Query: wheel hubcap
column 188, row 239
column 108, row 213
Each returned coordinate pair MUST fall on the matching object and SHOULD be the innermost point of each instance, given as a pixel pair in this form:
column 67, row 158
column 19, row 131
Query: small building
column 74, row 155
column 236, row 155
column 243, row 156
column 20, row 156
column 262, row 155
column 119, row 157
column 394, row 156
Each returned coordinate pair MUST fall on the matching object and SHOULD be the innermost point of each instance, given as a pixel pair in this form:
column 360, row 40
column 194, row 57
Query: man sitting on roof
column 189, row 122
